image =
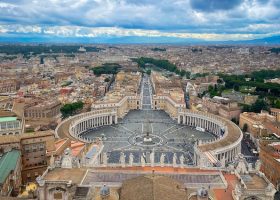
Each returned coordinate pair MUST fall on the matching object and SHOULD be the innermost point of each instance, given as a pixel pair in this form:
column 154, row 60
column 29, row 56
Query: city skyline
column 129, row 21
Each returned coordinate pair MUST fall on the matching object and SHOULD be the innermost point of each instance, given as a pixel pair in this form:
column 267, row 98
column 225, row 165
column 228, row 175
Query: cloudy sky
column 198, row 19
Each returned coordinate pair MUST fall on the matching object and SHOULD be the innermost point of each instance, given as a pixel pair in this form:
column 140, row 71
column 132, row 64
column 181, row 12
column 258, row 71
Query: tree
column 106, row 68
column 259, row 105
column 71, row 108
column 188, row 74
column 163, row 64
column 236, row 87
column 245, row 127
column 220, row 81
column 183, row 73
column 107, row 79
column 234, row 120
column 149, row 72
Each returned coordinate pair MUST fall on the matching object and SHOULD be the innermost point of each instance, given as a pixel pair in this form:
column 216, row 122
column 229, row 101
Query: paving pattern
column 167, row 136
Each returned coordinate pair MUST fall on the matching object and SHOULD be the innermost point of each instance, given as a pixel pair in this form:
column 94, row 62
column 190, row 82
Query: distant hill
column 274, row 40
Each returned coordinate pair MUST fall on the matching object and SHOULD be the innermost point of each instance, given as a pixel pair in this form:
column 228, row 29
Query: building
column 35, row 151
column 36, row 148
column 274, row 80
column 11, row 123
column 250, row 99
column 124, row 96
column 259, row 124
column 201, row 84
column 270, row 157
column 8, row 86
column 168, row 94
column 45, row 110
column 276, row 113
column 224, row 107
column 230, row 110
column 6, row 103
column 10, row 173
column 238, row 181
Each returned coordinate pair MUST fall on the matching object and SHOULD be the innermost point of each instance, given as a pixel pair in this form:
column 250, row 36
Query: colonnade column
column 184, row 119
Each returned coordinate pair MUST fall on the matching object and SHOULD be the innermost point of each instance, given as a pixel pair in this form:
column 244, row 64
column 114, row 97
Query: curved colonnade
column 223, row 149
column 76, row 125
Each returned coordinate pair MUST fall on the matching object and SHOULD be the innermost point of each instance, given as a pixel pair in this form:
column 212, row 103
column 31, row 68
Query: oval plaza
column 144, row 119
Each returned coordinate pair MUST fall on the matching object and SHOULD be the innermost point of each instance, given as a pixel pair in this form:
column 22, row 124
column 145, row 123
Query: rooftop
column 75, row 175
column 234, row 133
column 253, row 181
column 153, row 187
column 4, row 113
column 7, row 119
column 8, row 163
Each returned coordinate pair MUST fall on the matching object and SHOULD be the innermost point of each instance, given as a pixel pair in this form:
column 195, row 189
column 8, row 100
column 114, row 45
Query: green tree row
column 71, row 108
column 259, row 105
column 216, row 90
column 263, row 89
column 162, row 64
column 39, row 49
column 158, row 49
column 107, row 68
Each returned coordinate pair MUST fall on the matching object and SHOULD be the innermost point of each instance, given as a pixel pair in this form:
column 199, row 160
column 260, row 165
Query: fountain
column 147, row 138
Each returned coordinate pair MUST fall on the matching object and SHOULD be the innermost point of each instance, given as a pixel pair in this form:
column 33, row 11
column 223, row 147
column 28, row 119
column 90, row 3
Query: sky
column 209, row 20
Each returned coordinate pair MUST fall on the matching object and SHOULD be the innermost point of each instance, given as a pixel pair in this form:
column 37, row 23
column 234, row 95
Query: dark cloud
column 238, row 16
column 213, row 5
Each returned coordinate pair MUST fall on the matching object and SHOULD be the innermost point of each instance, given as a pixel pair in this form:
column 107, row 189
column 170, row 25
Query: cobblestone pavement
column 168, row 137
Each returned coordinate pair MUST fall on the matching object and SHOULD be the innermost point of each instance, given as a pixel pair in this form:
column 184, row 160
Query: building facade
column 10, row 123
column 36, row 148
column 10, row 173
column 43, row 110
column 270, row 157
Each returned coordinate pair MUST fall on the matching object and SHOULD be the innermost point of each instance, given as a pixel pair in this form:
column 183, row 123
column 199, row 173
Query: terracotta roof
column 77, row 147
column 18, row 108
column 152, row 188
column 4, row 113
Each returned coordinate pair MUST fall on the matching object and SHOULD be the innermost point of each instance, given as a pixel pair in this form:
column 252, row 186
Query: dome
column 202, row 192
column 104, row 191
